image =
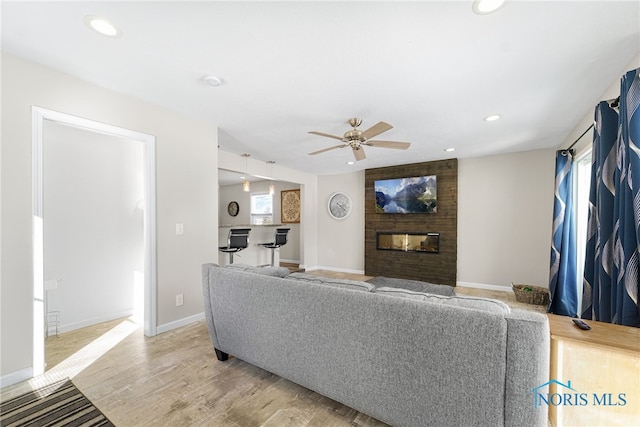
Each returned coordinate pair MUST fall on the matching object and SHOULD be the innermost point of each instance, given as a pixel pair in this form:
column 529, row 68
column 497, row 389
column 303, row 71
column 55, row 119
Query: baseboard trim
column 94, row 321
column 16, row 377
column 337, row 269
column 484, row 286
column 290, row 261
column 179, row 323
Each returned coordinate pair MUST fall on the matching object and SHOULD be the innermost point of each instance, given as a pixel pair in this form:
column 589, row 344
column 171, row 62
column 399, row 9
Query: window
column 261, row 208
column 582, row 179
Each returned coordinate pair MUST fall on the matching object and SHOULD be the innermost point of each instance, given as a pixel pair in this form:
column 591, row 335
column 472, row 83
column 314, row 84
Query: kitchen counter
column 254, row 254
column 249, row 225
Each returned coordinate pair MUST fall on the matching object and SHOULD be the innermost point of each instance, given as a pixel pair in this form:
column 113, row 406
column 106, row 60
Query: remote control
column 580, row 324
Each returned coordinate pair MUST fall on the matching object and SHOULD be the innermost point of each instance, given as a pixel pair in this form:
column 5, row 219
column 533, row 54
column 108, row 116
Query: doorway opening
column 147, row 276
column 262, row 209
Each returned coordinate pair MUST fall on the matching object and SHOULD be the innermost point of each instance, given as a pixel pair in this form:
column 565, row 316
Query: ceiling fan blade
column 326, row 134
column 327, row 149
column 358, row 153
column 389, row 144
column 376, row 129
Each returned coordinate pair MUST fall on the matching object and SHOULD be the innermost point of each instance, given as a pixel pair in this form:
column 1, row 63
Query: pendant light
column 272, row 188
column 246, row 186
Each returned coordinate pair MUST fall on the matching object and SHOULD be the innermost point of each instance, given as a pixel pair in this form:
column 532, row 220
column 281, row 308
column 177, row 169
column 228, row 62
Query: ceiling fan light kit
column 356, row 139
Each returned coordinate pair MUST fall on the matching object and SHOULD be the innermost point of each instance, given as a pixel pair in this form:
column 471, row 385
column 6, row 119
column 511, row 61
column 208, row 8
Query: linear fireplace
column 408, row 241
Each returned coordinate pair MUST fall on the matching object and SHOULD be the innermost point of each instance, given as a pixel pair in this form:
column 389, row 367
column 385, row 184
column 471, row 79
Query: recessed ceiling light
column 449, row 150
column 492, row 118
column 483, row 7
column 351, row 162
column 102, row 26
column 213, row 80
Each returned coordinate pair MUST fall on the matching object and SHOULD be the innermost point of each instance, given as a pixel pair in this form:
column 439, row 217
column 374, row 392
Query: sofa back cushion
column 339, row 283
column 484, row 304
column 412, row 285
column 266, row 271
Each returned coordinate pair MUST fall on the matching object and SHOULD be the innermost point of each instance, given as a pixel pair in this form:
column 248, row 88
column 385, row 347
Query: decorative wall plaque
column 290, row 206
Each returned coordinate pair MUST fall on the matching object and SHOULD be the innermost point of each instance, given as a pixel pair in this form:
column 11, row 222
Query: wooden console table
column 602, row 362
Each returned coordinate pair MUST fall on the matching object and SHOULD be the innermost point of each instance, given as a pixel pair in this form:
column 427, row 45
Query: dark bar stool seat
column 238, row 240
column 279, row 240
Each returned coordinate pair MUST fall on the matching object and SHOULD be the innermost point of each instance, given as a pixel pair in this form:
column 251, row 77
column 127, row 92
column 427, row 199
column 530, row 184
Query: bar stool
column 237, row 240
column 279, row 240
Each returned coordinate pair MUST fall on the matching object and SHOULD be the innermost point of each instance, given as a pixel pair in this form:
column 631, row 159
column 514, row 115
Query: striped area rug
column 58, row 404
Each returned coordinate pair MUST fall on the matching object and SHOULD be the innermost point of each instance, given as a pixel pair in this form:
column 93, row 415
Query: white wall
column 187, row 193
column 505, row 210
column 93, row 224
column 341, row 242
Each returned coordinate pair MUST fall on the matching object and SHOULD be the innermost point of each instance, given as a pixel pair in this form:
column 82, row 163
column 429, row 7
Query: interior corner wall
column 341, row 242
column 186, row 188
column 505, row 215
column 430, row 267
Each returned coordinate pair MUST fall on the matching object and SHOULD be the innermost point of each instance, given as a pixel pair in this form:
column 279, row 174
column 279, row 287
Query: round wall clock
column 233, row 208
column 339, row 205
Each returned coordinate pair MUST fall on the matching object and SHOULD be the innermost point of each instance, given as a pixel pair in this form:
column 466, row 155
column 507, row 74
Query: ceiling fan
column 356, row 139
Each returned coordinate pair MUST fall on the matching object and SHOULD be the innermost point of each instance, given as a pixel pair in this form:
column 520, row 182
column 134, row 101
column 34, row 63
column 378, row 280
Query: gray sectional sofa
column 404, row 357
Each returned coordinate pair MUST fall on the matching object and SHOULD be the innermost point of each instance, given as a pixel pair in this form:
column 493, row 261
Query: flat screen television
column 407, row 195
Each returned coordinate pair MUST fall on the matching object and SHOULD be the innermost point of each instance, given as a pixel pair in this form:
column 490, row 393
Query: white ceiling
column 432, row 69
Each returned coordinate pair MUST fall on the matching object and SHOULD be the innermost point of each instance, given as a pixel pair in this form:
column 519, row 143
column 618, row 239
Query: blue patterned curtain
column 611, row 281
column 563, row 276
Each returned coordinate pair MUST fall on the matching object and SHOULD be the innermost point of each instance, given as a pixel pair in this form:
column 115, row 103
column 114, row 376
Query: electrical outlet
column 179, row 229
column 179, row 300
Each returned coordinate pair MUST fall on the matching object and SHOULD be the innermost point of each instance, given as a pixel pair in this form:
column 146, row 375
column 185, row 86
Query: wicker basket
column 531, row 294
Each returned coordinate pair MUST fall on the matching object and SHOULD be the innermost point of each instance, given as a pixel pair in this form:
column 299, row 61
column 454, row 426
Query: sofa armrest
column 528, row 354
column 206, row 293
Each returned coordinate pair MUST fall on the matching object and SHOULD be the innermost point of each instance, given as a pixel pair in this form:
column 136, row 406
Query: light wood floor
column 174, row 379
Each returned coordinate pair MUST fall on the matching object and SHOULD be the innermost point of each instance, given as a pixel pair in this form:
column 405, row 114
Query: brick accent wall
column 430, row 267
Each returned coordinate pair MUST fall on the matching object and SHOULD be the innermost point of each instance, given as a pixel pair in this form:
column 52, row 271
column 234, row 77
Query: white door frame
column 39, row 115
